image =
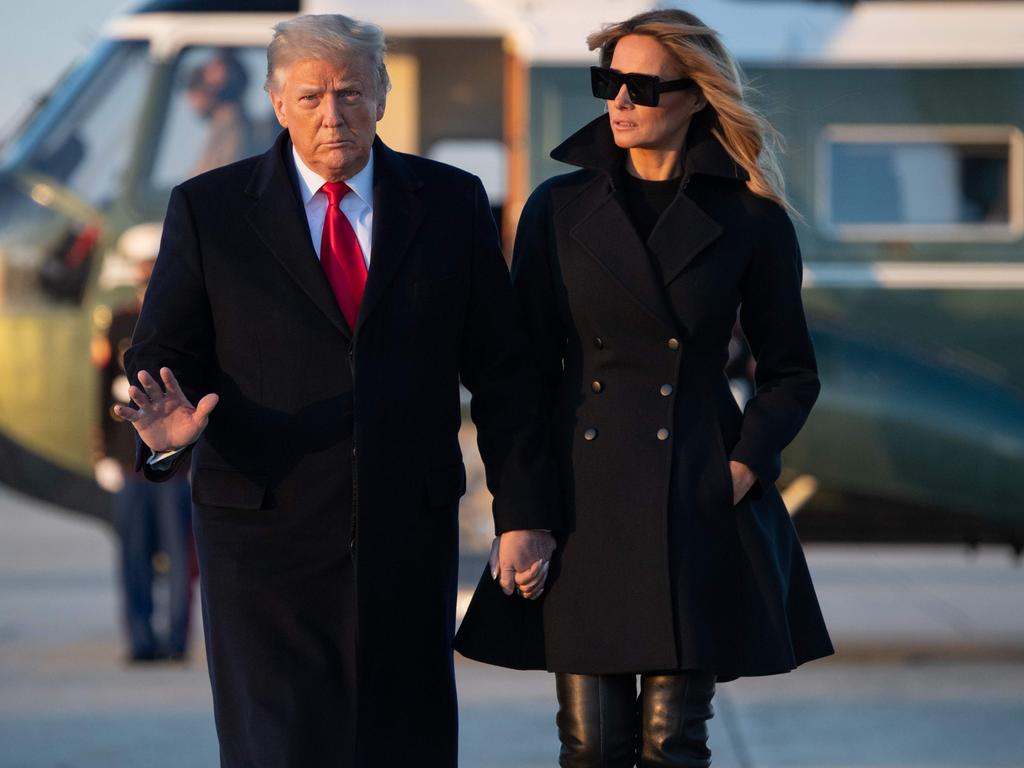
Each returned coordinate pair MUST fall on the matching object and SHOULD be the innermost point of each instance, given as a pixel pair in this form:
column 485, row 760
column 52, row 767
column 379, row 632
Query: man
column 319, row 331
column 148, row 518
column 215, row 92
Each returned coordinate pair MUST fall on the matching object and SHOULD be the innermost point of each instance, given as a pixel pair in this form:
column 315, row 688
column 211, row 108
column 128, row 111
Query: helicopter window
column 921, row 182
column 88, row 146
column 62, row 175
column 485, row 158
column 218, row 113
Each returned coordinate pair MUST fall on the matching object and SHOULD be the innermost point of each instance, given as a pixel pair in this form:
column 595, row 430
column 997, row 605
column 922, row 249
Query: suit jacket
column 657, row 568
column 330, row 440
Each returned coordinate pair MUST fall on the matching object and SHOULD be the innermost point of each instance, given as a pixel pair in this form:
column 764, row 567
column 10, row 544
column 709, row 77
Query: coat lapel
column 606, row 233
column 279, row 219
column 397, row 212
column 683, row 231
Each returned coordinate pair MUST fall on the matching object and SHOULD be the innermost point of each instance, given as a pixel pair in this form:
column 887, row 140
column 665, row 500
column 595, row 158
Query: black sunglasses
column 643, row 89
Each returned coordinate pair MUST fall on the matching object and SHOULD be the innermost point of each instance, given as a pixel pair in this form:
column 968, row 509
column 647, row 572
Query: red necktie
column 341, row 256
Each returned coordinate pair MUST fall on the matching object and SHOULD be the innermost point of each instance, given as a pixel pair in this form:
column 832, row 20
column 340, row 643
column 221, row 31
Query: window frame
column 947, row 133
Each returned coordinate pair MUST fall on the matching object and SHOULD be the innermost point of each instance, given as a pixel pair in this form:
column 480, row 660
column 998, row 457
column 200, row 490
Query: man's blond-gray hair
column 330, row 37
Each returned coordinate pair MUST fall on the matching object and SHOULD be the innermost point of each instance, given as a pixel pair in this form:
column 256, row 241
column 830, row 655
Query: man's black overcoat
column 659, row 570
column 329, row 446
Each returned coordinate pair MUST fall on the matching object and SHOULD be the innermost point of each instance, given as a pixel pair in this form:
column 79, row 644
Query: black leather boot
column 674, row 710
column 598, row 721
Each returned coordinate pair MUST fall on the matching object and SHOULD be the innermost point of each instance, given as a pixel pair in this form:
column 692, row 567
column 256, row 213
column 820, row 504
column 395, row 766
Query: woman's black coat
column 657, row 569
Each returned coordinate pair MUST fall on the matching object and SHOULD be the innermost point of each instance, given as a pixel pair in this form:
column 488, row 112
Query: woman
column 678, row 560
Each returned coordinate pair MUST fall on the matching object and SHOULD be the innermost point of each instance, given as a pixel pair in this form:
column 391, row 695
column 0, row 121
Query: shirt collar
column 310, row 181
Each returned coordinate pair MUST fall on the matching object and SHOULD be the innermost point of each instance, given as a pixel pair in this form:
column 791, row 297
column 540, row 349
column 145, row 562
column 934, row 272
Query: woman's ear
column 700, row 102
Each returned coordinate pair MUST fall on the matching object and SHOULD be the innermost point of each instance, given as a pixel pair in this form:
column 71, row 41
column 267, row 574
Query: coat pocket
column 446, row 485
column 730, row 490
column 219, row 487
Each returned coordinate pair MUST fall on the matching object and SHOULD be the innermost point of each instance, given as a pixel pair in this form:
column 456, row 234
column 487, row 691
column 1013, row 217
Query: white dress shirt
column 357, row 206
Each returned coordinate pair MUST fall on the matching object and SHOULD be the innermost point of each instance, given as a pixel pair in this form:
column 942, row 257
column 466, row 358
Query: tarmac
column 929, row 670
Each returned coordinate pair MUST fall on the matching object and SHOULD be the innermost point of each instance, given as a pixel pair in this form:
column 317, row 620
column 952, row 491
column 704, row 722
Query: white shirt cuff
column 162, row 460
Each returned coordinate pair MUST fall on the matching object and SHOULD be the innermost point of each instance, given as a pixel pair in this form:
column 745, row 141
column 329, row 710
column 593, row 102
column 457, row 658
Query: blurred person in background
column 311, row 314
column 153, row 522
column 679, row 562
column 215, row 91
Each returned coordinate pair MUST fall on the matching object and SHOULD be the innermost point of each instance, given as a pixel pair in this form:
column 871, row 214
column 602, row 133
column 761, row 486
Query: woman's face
column 659, row 128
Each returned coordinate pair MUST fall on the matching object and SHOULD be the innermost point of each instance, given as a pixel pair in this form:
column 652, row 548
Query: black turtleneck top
column 647, row 200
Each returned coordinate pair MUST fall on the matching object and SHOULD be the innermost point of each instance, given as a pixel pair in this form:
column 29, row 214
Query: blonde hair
column 744, row 132
column 328, row 36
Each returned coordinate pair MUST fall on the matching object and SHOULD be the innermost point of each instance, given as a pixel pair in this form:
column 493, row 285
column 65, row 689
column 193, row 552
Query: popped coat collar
column 598, row 220
column 593, row 146
column 279, row 219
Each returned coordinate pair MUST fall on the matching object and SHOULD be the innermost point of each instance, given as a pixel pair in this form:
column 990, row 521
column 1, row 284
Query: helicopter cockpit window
column 218, row 113
column 87, row 150
column 927, row 182
column 63, row 175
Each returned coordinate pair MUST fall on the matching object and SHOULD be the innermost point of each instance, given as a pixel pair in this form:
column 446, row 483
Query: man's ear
column 381, row 104
column 277, row 102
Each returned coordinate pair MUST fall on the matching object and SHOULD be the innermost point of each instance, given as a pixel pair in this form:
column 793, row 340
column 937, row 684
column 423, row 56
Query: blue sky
column 38, row 40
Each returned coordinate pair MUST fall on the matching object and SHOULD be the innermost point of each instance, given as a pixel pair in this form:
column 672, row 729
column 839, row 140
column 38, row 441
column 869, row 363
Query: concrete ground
column 929, row 670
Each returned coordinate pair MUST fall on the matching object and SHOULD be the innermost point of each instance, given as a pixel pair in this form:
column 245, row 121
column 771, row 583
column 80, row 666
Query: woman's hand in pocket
column 743, row 479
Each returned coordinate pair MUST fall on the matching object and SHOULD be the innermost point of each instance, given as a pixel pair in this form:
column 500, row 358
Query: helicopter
column 912, row 226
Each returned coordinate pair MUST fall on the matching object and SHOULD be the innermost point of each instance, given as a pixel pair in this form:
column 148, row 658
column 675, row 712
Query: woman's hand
column 743, row 479
column 520, row 559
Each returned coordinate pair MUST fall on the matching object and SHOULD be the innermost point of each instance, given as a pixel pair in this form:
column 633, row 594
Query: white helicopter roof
column 923, row 32
column 422, row 18
column 881, row 33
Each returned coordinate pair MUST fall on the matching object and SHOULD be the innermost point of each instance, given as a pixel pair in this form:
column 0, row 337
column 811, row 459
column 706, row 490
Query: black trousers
column 603, row 723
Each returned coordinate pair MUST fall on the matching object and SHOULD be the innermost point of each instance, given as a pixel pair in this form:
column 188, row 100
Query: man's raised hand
column 165, row 419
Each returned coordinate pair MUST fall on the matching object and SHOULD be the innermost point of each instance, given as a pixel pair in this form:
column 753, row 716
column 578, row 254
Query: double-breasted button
column 673, row 343
column 590, row 433
column 596, row 386
column 666, row 390
column 663, row 434
column 599, row 342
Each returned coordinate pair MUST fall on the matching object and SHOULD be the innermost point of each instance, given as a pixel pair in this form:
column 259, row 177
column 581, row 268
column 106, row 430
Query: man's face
column 331, row 112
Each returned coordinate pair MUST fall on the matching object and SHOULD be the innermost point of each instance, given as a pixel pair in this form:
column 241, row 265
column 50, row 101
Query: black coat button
column 673, row 343
column 599, row 342
column 666, row 390
column 663, row 434
column 596, row 386
column 590, row 434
